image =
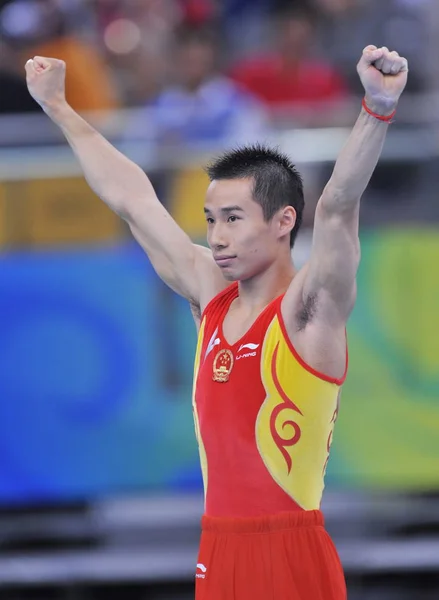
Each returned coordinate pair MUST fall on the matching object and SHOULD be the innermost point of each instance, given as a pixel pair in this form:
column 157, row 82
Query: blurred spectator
column 245, row 26
column 198, row 12
column 136, row 35
column 38, row 27
column 291, row 74
column 202, row 105
column 14, row 96
column 347, row 26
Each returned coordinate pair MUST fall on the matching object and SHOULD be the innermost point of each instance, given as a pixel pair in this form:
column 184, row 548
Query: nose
column 217, row 237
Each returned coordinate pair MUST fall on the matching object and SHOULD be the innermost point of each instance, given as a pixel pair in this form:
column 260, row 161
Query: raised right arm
column 187, row 268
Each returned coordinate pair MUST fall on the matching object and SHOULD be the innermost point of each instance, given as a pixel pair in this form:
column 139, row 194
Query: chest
column 229, row 388
column 230, row 364
column 229, row 375
column 236, row 327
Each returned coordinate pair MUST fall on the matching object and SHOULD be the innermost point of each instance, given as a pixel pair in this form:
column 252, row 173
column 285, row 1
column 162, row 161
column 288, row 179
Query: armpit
column 307, row 311
column 196, row 311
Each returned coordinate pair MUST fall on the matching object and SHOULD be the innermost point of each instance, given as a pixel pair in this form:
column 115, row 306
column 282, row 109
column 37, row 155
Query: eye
column 232, row 219
column 209, row 220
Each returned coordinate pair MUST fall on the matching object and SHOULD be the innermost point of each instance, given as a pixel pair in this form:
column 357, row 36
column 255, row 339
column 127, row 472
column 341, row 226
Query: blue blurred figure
column 201, row 106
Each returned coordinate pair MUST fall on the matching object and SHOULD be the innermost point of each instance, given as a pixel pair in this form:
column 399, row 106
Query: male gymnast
column 271, row 355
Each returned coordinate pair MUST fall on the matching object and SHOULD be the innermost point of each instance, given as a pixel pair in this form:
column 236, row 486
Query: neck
column 258, row 291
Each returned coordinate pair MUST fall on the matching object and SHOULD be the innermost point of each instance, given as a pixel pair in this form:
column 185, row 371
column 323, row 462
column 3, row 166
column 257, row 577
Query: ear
column 287, row 220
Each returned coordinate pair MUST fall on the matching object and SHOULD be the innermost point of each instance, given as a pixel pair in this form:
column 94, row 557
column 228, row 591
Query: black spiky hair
column 277, row 182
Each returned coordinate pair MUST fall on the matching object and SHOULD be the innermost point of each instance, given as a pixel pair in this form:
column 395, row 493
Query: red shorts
column 283, row 557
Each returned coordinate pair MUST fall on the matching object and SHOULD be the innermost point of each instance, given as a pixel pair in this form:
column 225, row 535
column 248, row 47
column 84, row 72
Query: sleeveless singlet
column 264, row 419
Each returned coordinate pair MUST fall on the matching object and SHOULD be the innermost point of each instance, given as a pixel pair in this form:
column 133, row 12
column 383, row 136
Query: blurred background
column 100, row 487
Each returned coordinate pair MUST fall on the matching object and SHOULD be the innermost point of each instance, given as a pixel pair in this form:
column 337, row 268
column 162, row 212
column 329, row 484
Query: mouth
column 224, row 261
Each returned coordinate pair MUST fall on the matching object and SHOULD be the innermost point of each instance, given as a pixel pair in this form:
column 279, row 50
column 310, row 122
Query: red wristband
column 385, row 118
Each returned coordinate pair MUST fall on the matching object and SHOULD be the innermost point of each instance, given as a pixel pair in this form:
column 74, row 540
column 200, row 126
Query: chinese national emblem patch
column 222, row 366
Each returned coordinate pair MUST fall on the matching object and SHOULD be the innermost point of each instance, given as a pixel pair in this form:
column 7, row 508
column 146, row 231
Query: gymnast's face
column 242, row 242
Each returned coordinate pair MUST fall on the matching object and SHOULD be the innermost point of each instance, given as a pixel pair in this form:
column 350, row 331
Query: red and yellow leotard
column 264, row 419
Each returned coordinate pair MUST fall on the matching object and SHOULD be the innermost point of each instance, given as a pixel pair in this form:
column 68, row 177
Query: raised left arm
column 330, row 277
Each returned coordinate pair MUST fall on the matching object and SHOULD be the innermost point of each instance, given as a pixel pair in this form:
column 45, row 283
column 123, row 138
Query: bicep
column 169, row 248
column 187, row 268
column 334, row 260
column 175, row 266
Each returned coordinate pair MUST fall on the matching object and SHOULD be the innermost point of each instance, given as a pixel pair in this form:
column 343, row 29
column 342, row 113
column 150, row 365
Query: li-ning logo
column 249, row 346
column 203, row 570
column 247, row 354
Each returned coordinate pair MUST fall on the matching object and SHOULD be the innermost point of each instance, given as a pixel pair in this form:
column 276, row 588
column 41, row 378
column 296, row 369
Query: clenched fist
column 384, row 77
column 45, row 79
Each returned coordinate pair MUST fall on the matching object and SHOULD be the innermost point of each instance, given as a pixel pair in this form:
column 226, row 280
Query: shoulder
column 301, row 308
column 212, row 282
column 211, row 277
column 214, row 311
column 296, row 286
column 220, row 301
column 318, row 345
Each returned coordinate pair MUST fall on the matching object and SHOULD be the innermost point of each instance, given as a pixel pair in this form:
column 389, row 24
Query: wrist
column 57, row 110
column 383, row 107
column 379, row 111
